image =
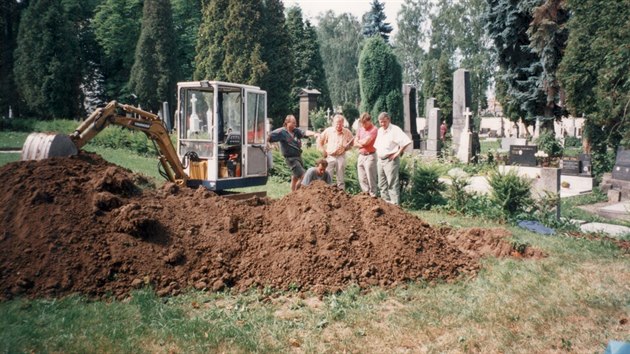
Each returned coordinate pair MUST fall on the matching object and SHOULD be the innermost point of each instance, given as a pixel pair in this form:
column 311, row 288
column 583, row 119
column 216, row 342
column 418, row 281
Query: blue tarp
column 535, row 226
column 615, row 347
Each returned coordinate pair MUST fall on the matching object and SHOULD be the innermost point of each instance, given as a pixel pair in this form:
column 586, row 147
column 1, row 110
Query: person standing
column 333, row 143
column 317, row 173
column 366, row 162
column 443, row 129
column 390, row 143
column 290, row 138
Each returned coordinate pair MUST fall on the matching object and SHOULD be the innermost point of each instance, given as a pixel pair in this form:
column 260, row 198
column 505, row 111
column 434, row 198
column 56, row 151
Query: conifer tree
column 277, row 54
column 380, row 76
column 507, row 25
column 210, row 48
column 307, row 61
column 374, row 22
column 153, row 72
column 9, row 23
column 117, row 26
column 47, row 71
column 186, row 21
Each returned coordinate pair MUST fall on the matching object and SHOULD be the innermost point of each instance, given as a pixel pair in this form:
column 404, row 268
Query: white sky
column 312, row 8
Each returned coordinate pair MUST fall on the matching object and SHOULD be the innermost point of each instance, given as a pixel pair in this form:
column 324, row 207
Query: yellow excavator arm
column 37, row 147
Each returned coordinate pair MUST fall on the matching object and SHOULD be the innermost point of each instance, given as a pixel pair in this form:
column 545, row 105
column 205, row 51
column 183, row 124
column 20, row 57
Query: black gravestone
column 621, row 170
column 523, row 155
column 586, row 166
column 571, row 167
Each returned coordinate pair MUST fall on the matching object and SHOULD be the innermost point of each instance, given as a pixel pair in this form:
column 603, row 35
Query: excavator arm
column 114, row 113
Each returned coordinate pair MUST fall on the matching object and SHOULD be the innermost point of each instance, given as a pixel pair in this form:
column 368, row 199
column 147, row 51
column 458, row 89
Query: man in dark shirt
column 290, row 139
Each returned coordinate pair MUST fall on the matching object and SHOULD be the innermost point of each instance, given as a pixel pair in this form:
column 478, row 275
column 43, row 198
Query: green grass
column 12, row 140
column 6, row 157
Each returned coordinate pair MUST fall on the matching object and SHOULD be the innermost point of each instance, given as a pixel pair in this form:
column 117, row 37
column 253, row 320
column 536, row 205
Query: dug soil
column 82, row 225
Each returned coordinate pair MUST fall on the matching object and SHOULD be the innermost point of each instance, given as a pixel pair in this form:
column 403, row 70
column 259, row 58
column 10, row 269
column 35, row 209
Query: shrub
column 572, row 142
column 510, row 192
column 470, row 204
column 547, row 142
column 319, row 119
column 423, row 190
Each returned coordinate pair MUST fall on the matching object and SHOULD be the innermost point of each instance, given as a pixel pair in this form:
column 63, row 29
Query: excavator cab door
column 255, row 142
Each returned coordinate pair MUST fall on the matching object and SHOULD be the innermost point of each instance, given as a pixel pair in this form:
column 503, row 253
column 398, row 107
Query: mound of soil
column 82, row 225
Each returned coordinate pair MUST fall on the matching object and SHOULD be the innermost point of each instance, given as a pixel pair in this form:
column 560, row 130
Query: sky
column 312, row 8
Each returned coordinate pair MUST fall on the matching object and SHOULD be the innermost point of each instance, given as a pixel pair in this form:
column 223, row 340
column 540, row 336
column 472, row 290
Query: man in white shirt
column 390, row 143
column 333, row 142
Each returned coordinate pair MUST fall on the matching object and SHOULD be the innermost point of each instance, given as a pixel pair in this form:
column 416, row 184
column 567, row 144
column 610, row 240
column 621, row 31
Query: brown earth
column 82, row 225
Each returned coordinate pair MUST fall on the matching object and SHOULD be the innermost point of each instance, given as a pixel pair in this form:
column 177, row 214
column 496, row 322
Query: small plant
column 424, row 189
column 547, row 142
column 511, row 192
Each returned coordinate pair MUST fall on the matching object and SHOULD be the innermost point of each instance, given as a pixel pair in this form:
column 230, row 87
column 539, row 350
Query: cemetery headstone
column 621, row 170
column 586, row 165
column 461, row 100
column 433, row 137
column 571, row 167
column 465, row 147
column 308, row 102
column 410, row 114
column 523, row 155
column 509, row 141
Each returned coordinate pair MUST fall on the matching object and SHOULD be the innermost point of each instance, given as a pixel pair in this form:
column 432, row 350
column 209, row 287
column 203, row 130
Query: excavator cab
column 221, row 134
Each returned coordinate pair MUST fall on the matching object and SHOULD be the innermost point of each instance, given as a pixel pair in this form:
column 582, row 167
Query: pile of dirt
column 82, row 225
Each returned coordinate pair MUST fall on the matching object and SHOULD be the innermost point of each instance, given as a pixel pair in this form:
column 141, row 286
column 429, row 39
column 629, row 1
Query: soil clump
column 83, row 225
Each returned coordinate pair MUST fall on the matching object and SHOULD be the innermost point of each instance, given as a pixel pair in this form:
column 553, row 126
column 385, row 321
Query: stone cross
column 467, row 114
column 328, row 113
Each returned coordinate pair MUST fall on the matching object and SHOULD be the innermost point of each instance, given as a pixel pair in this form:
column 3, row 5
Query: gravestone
column 433, row 137
column 509, row 141
column 571, row 167
column 523, row 155
column 465, row 147
column 429, row 105
column 586, row 165
column 461, row 101
column 308, row 102
column 410, row 114
column 621, row 170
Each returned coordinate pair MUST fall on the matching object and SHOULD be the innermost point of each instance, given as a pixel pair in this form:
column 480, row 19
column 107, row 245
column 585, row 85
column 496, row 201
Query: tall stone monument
column 461, row 99
column 308, row 102
column 410, row 114
column 434, row 144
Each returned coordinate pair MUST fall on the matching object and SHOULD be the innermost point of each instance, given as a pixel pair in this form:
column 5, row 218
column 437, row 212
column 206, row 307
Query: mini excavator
column 221, row 135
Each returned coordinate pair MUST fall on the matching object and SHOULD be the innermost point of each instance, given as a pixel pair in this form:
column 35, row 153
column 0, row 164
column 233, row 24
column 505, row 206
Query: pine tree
column 48, row 72
column 507, row 25
column 186, row 21
column 276, row 45
column 9, row 24
column 307, row 62
column 117, row 29
column 210, row 48
column 374, row 22
column 243, row 62
column 380, row 75
column 154, row 70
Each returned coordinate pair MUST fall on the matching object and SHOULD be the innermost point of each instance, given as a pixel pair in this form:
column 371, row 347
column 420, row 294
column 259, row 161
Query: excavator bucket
column 40, row 146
